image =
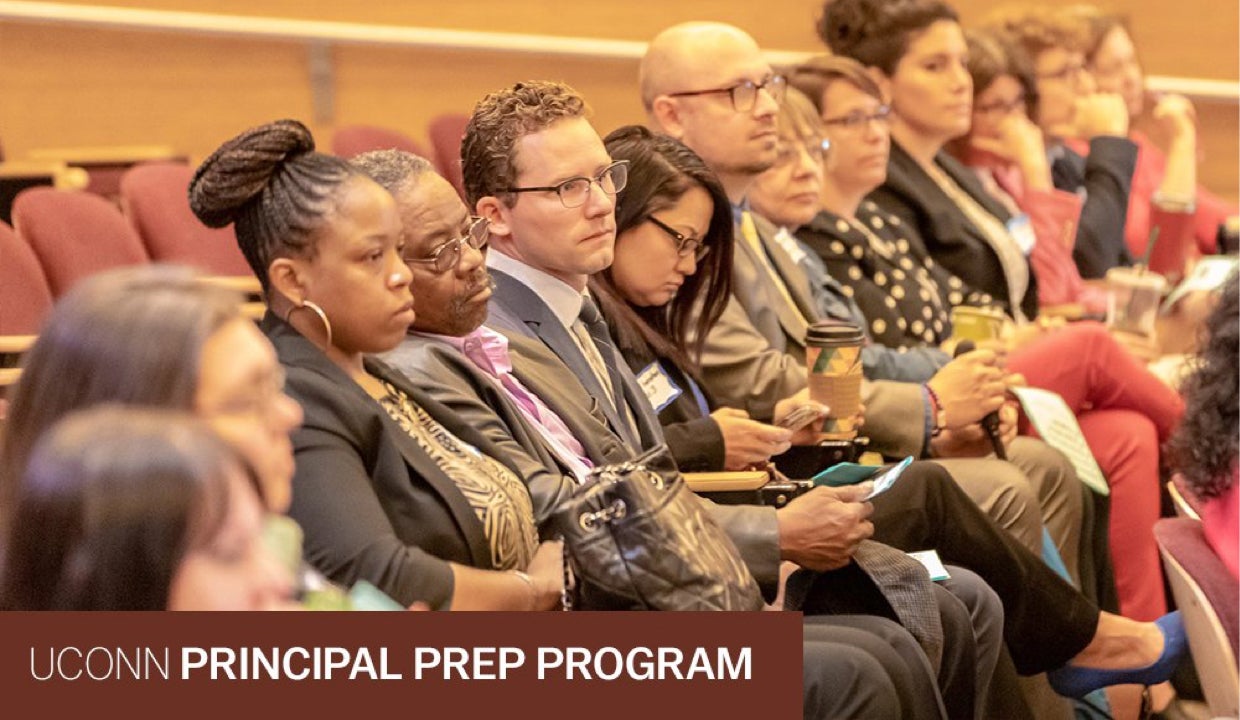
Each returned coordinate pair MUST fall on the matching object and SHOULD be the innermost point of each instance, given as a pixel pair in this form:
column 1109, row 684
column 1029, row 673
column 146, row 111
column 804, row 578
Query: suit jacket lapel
column 296, row 351
column 514, row 299
column 546, row 376
column 794, row 278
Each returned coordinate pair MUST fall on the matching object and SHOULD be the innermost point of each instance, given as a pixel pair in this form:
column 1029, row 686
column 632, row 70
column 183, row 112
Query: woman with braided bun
column 389, row 486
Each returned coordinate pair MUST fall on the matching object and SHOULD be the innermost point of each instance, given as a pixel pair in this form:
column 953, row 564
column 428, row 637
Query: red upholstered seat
column 353, row 140
column 1209, row 599
column 155, row 197
column 74, row 234
column 25, row 297
column 446, row 132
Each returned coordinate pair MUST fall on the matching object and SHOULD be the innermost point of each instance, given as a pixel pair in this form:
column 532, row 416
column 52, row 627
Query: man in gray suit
column 516, row 391
column 708, row 85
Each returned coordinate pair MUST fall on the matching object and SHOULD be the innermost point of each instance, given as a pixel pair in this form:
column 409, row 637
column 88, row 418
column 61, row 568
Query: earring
column 306, row 304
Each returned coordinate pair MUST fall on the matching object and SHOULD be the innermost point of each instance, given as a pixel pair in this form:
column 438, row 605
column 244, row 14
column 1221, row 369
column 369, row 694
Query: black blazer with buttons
column 940, row 229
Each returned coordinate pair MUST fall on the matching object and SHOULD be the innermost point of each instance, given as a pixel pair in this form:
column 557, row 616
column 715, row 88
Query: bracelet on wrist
column 937, row 414
column 529, row 581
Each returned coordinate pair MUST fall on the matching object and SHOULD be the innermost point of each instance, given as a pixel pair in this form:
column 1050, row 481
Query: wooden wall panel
column 73, row 86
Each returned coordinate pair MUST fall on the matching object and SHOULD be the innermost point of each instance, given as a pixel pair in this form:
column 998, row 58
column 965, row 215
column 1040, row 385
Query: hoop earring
column 313, row 307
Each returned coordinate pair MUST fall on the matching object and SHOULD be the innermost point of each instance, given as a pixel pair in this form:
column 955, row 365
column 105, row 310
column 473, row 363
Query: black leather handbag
column 637, row 538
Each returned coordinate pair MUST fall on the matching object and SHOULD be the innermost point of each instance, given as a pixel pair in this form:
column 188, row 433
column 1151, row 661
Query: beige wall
column 74, row 86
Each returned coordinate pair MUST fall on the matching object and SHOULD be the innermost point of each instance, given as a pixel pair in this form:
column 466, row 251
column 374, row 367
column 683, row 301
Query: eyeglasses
column 1068, row 72
column 260, row 402
column 575, row 191
column 744, row 94
column 1002, row 107
column 790, row 151
column 855, row 122
column 448, row 255
column 685, row 245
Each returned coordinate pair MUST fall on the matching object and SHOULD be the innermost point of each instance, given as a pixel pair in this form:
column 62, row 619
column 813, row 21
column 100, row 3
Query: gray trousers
column 1036, row 487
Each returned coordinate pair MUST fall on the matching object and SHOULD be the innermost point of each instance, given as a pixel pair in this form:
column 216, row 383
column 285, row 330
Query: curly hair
column 489, row 150
column 1205, row 446
column 269, row 182
column 1038, row 29
column 876, row 33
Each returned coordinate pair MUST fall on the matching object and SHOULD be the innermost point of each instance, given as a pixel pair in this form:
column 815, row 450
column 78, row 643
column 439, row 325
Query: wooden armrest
column 254, row 310
column 247, row 284
column 9, row 376
column 106, row 154
column 45, row 172
column 726, row 481
column 16, row 343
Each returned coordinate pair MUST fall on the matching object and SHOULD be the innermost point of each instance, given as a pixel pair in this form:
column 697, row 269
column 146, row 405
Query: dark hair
column 131, row 336
column 661, row 170
column 992, row 54
column 489, row 149
column 395, row 170
column 269, row 182
column 1204, row 447
column 816, row 74
column 877, row 33
column 1096, row 25
column 110, row 504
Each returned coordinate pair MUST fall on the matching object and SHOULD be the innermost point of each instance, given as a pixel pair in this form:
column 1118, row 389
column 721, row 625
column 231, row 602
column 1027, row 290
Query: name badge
column 790, row 245
column 658, row 387
column 1021, row 229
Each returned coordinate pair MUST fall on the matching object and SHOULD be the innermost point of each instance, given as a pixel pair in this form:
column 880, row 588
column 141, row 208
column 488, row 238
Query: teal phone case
column 845, row 473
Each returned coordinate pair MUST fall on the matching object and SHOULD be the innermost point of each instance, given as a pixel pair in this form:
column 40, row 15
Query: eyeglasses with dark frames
column 744, row 95
column 685, row 245
column 448, row 255
column 575, row 191
column 857, row 121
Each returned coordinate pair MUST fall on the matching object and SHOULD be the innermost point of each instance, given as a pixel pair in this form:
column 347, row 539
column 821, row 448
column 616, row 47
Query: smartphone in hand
column 801, row 416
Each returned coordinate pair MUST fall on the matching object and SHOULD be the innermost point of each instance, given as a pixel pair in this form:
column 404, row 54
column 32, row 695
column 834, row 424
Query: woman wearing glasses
column 390, row 487
column 1005, row 147
column 669, row 282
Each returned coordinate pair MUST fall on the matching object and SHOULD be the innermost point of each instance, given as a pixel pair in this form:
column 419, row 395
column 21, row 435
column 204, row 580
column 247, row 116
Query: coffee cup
column 977, row 324
column 1133, row 298
column 833, row 359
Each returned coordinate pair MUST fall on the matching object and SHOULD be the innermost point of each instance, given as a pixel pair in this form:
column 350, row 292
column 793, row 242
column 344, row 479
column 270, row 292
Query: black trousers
column 1046, row 620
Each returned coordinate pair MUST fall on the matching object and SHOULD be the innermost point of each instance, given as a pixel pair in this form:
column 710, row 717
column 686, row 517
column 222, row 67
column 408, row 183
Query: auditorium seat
column 1208, row 597
column 155, row 198
column 446, row 133
column 351, row 140
column 74, row 234
column 24, row 293
column 25, row 300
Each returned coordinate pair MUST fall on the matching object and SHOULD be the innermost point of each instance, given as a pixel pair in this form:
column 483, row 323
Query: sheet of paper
column 1209, row 274
column 930, row 560
column 1055, row 422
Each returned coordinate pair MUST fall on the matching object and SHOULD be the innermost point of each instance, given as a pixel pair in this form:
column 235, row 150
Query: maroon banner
column 636, row 666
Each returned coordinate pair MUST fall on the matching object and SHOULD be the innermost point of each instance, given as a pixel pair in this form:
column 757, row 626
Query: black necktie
column 597, row 329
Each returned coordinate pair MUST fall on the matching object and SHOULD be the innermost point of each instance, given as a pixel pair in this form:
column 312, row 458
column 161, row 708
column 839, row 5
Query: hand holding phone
column 802, row 415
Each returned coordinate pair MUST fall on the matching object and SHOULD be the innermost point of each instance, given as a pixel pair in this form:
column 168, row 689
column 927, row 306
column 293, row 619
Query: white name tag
column 930, row 560
column 658, row 387
column 790, row 245
column 1021, row 229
